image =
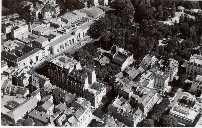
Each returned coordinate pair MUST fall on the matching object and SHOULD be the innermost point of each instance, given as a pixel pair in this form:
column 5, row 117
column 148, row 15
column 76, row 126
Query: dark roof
column 27, row 49
column 8, row 56
column 11, row 105
column 43, row 117
column 78, row 75
column 119, row 58
column 143, row 65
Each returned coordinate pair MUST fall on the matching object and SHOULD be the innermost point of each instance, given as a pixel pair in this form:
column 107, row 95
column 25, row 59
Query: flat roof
column 41, row 39
column 62, row 38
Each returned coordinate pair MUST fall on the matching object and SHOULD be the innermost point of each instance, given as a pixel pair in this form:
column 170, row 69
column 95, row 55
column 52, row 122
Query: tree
column 28, row 122
column 168, row 121
column 146, row 123
column 159, row 13
column 124, row 9
column 173, row 10
column 20, row 122
column 74, row 4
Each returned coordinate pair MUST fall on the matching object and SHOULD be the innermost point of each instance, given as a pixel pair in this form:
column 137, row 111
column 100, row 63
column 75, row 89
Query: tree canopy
column 168, row 121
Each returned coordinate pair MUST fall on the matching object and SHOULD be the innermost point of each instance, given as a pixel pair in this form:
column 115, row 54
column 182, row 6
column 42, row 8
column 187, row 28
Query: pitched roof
column 23, row 108
column 45, row 106
column 43, row 117
column 8, row 56
column 29, row 54
column 79, row 112
column 119, row 58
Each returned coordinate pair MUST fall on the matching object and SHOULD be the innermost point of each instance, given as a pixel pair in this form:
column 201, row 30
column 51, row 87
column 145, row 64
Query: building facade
column 172, row 69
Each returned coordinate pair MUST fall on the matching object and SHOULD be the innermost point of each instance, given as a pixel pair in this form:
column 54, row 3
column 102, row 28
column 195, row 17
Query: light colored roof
column 41, row 39
column 93, row 12
column 23, row 108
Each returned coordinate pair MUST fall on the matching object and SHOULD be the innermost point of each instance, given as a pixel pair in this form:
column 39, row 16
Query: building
column 132, row 72
column 23, row 56
column 121, row 57
column 185, row 108
column 161, row 82
column 171, row 69
column 19, row 31
column 21, row 78
column 19, row 91
column 15, row 111
column 4, row 66
column 60, row 95
column 121, row 110
column 197, row 84
column 93, row 12
column 79, row 112
column 47, row 107
column 73, row 16
column 39, row 116
column 145, row 100
column 194, row 65
column 60, row 67
column 67, row 73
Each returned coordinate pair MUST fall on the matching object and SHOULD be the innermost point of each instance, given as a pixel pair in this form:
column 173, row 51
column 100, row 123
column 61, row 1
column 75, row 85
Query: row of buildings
column 41, row 39
column 67, row 73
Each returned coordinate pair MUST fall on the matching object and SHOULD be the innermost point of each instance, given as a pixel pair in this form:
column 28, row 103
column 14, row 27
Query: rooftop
column 196, row 59
column 119, row 58
column 92, row 12
column 41, row 39
column 42, row 116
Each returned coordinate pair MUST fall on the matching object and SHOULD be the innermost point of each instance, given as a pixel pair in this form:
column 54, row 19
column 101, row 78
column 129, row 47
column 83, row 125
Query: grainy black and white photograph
column 101, row 63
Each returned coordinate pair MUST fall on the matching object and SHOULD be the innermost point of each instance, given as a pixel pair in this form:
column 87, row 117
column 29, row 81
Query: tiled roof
column 119, row 58
column 8, row 56
column 43, row 117
column 79, row 113
column 23, row 108
column 47, row 105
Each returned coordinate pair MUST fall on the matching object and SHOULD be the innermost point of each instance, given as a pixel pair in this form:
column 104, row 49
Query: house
column 25, row 56
column 19, row 31
column 46, row 107
column 39, row 81
column 161, row 82
column 6, row 86
column 39, row 116
column 197, row 84
column 57, row 23
column 147, row 101
column 71, row 17
column 121, row 110
column 61, row 107
column 18, row 111
column 194, row 65
column 171, row 69
column 21, row 79
column 60, row 95
column 79, row 112
column 121, row 57
column 4, row 66
column 185, row 108
column 59, row 62
column 93, row 12
column 19, row 91
column 132, row 72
